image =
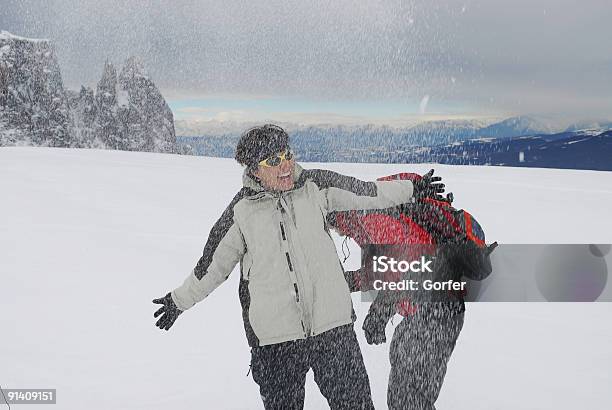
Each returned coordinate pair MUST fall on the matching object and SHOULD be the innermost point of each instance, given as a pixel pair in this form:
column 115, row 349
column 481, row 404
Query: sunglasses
column 276, row 160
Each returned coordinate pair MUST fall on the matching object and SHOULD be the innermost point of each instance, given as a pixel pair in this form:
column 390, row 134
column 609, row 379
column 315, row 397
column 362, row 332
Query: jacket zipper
column 290, row 265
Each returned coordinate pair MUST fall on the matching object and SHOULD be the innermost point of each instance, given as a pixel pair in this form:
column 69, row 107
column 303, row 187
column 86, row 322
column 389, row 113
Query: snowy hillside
column 89, row 237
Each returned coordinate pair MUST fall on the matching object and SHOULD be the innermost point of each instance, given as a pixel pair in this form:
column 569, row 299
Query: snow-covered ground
column 88, row 238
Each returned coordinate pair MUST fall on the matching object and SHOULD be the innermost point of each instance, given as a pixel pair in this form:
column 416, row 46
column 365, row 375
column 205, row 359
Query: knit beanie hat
column 259, row 143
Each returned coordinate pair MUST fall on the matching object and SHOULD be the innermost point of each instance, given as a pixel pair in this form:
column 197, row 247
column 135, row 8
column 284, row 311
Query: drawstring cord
column 348, row 251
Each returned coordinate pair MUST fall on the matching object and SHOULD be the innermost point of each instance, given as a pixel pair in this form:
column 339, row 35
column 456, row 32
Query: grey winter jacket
column 292, row 283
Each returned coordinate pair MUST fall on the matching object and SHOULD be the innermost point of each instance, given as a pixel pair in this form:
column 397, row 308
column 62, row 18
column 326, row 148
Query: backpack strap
column 473, row 230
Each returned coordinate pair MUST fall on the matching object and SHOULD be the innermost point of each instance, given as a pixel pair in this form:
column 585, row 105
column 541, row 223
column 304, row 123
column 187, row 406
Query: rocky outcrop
column 148, row 119
column 33, row 105
column 126, row 111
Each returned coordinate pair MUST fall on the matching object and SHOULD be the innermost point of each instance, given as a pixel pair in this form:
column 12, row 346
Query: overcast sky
column 473, row 57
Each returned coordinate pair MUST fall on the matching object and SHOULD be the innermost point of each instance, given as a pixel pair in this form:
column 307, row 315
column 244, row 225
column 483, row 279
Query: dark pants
column 420, row 349
column 335, row 359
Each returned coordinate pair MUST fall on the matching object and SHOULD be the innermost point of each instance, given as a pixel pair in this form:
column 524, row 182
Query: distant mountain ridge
column 322, row 141
column 584, row 149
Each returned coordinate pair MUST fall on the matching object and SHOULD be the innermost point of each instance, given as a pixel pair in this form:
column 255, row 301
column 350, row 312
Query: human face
column 278, row 178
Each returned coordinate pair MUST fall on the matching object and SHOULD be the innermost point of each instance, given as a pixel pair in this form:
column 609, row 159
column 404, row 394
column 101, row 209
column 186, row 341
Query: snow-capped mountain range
column 127, row 111
column 582, row 149
column 434, row 132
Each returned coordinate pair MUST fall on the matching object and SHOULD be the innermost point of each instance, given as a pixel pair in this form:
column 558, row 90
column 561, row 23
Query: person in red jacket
column 425, row 338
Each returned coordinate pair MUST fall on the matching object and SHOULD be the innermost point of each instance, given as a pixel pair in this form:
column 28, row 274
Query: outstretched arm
column 212, row 269
column 345, row 193
column 222, row 252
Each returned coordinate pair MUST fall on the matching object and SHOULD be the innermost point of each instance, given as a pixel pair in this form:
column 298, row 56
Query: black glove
column 169, row 312
column 374, row 329
column 353, row 279
column 429, row 187
column 381, row 310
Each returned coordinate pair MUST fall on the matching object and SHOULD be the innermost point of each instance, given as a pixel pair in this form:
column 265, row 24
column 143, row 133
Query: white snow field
column 88, row 238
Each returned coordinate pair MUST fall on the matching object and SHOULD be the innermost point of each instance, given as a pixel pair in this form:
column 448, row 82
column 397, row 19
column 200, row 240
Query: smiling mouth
column 284, row 176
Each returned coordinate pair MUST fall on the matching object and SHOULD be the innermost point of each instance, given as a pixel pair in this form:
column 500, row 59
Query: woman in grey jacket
column 296, row 303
